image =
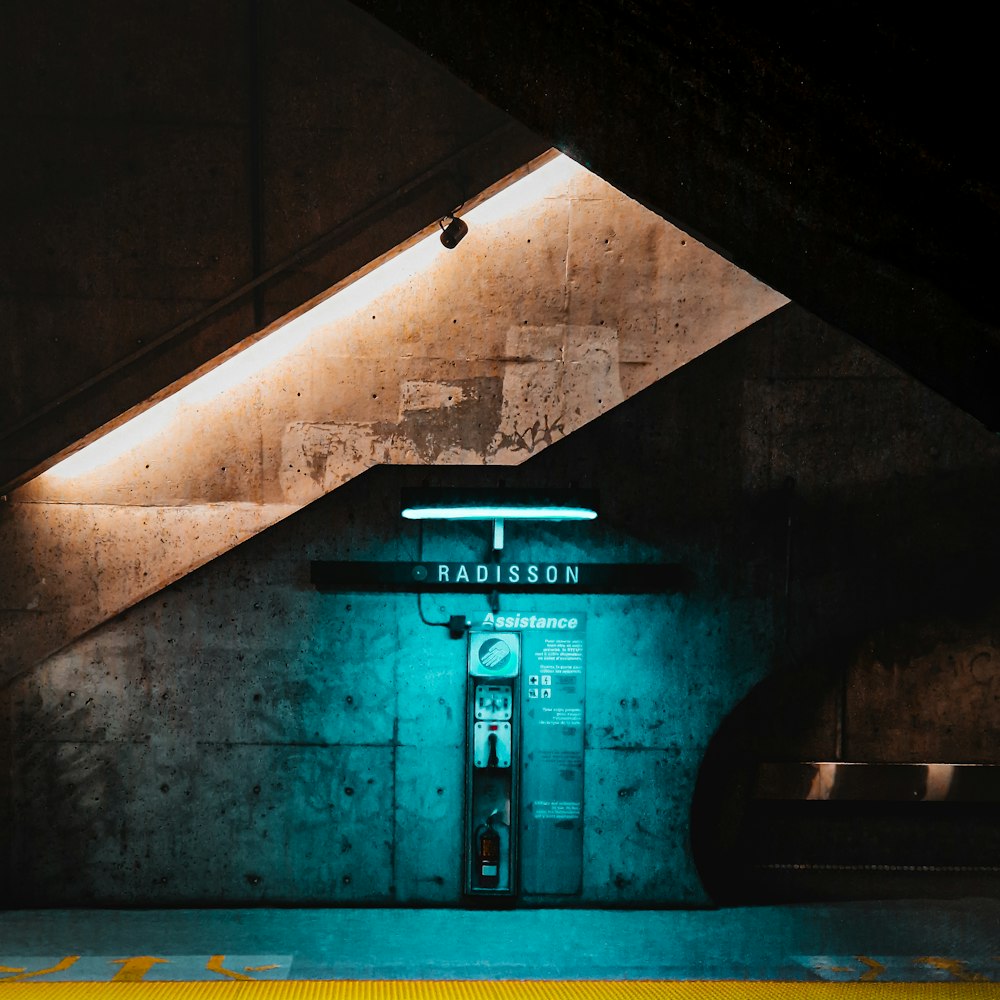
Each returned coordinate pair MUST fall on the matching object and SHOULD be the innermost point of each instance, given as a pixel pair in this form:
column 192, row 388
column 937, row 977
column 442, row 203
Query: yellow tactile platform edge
column 478, row 990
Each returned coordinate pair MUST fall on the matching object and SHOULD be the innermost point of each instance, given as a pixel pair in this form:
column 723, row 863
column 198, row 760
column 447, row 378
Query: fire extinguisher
column 487, row 855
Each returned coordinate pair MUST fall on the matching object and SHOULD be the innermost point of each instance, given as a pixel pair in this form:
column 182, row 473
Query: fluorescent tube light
column 461, row 504
column 487, row 512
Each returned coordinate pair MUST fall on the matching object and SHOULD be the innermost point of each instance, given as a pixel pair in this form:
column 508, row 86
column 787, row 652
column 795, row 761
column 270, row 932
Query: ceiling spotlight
column 453, row 233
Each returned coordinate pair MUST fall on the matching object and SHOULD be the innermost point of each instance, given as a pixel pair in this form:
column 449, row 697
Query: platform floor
column 898, row 941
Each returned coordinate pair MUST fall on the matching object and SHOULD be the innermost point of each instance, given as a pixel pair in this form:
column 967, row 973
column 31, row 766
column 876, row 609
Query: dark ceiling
column 841, row 153
column 177, row 175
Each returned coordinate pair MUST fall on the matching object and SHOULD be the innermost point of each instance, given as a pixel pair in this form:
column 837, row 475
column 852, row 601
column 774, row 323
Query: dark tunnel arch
column 906, row 803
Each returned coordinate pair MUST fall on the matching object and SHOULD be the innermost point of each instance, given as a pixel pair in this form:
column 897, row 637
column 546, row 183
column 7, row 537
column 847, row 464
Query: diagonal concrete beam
column 553, row 310
column 150, row 228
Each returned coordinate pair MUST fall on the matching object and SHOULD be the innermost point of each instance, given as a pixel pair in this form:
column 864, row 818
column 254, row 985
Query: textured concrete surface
column 915, row 941
column 162, row 160
column 841, row 518
column 240, row 738
column 840, row 165
column 548, row 314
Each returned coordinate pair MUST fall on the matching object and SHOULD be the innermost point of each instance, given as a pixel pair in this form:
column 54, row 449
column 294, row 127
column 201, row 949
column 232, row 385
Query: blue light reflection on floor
column 904, row 941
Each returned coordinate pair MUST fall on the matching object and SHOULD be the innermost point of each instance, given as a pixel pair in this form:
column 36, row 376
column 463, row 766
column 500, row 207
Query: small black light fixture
column 454, row 232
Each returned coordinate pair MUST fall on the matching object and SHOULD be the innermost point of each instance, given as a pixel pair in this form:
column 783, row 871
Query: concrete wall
column 558, row 305
column 789, row 149
column 241, row 738
column 179, row 177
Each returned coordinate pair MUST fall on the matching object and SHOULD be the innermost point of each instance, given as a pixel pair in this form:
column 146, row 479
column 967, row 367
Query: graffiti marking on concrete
column 953, row 966
column 133, row 970
column 875, row 969
column 21, row 973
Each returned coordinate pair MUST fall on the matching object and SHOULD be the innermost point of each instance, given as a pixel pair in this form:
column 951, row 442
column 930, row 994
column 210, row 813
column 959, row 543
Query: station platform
column 897, row 942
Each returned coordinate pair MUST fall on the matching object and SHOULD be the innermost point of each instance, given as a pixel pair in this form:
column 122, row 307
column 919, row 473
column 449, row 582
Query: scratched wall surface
column 240, row 738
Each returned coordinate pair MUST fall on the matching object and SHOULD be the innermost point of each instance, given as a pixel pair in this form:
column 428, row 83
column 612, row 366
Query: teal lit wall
column 241, row 738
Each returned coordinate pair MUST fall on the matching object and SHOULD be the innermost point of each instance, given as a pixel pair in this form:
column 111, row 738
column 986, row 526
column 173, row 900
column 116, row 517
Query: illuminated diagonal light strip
column 500, row 512
column 518, row 197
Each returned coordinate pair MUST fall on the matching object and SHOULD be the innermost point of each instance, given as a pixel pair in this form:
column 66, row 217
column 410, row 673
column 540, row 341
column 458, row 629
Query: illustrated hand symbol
column 497, row 652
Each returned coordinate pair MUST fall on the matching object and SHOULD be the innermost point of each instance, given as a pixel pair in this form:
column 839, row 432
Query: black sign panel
column 479, row 577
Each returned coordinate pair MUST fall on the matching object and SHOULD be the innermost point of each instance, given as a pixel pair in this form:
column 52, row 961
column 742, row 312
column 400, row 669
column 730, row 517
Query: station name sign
column 496, row 573
column 517, row 577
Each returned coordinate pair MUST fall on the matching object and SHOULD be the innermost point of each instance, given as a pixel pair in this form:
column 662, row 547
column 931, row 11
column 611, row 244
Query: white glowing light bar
column 499, row 512
column 547, row 180
column 498, row 504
